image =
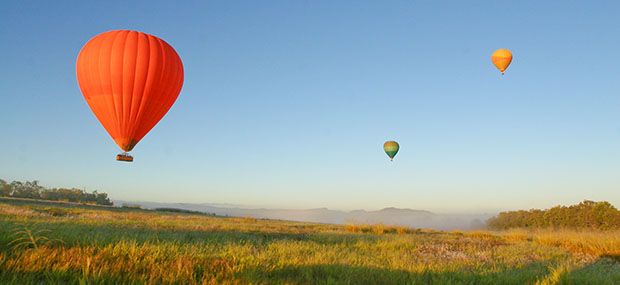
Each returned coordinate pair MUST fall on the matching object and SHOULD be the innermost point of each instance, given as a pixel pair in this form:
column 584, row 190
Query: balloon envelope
column 391, row 148
column 129, row 80
column 502, row 58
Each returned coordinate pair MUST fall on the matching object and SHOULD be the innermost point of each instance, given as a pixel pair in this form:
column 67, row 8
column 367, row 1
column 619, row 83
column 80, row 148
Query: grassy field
column 60, row 243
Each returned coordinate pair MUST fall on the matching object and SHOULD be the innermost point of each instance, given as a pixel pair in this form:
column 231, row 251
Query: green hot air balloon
column 391, row 148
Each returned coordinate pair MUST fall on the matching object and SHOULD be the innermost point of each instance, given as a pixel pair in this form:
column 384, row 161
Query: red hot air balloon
column 129, row 80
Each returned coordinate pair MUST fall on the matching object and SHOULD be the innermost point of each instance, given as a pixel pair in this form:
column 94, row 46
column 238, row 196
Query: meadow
column 45, row 242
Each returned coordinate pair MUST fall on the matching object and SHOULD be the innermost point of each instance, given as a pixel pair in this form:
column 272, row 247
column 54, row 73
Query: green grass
column 101, row 245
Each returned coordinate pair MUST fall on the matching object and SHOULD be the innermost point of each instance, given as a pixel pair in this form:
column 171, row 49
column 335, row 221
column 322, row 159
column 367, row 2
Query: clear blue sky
column 287, row 103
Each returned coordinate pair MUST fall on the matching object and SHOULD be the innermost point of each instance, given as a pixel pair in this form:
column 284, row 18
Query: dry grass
column 111, row 246
column 378, row 229
column 595, row 243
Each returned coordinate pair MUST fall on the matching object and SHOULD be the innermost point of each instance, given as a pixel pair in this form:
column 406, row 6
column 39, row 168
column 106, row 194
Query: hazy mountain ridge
column 389, row 216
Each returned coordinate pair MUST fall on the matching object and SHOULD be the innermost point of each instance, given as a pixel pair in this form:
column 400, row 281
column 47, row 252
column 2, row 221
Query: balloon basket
column 125, row 157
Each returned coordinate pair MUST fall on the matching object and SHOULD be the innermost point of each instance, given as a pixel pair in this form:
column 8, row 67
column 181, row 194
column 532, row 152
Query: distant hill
column 389, row 216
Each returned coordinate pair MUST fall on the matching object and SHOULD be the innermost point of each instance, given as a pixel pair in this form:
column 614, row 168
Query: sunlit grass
column 378, row 229
column 111, row 246
column 595, row 243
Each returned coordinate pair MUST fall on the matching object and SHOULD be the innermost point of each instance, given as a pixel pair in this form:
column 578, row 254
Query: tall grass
column 112, row 246
column 378, row 229
column 596, row 243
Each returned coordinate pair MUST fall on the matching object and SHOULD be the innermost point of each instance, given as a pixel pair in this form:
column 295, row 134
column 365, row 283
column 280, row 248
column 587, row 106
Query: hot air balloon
column 501, row 58
column 391, row 148
column 129, row 80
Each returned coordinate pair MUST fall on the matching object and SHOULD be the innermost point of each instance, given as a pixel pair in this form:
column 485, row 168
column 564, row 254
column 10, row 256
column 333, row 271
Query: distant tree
column 585, row 215
column 102, row 199
column 28, row 189
column 5, row 188
column 32, row 190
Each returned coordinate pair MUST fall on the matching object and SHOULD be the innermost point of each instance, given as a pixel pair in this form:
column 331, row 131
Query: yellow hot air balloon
column 501, row 58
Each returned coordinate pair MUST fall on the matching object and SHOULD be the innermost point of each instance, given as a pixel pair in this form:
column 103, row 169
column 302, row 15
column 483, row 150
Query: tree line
column 585, row 215
column 32, row 190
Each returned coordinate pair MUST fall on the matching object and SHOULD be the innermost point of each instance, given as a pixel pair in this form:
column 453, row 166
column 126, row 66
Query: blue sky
column 287, row 103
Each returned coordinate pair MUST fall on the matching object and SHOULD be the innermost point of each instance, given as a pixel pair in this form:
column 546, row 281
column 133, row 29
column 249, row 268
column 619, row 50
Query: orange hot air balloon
column 501, row 59
column 129, row 80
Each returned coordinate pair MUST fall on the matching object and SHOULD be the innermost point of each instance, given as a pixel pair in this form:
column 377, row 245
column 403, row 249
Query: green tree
column 5, row 188
column 28, row 189
column 585, row 215
column 32, row 190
